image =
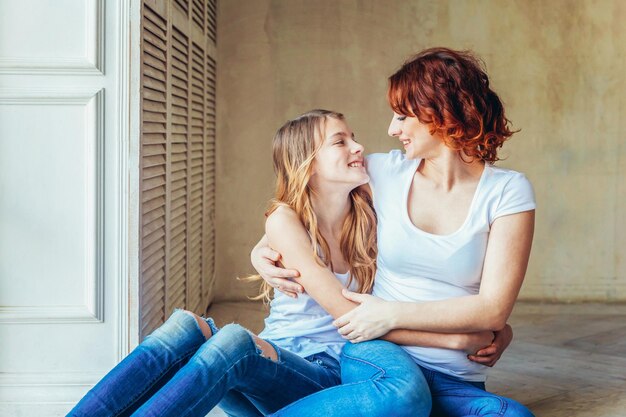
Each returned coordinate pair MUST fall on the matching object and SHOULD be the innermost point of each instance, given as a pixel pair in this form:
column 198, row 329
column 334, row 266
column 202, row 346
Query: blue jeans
column 453, row 397
column 176, row 372
column 378, row 379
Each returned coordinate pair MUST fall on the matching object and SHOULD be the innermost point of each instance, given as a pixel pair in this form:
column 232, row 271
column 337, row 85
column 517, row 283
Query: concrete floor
column 566, row 360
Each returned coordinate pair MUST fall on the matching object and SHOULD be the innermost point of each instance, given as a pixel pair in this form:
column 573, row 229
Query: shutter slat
column 155, row 233
column 154, row 219
column 155, row 74
column 157, row 106
column 151, row 196
column 184, row 5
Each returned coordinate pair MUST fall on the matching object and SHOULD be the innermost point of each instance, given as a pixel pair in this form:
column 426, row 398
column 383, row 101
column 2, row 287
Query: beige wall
column 559, row 66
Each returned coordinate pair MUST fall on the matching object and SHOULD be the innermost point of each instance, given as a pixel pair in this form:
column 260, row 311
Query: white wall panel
column 38, row 36
column 51, row 158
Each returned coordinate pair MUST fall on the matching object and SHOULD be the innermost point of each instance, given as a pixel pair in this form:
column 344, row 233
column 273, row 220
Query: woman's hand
column 373, row 318
column 264, row 260
column 471, row 343
column 489, row 355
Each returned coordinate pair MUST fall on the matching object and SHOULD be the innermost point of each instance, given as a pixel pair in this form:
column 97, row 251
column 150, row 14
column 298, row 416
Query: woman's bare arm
column 264, row 260
column 508, row 251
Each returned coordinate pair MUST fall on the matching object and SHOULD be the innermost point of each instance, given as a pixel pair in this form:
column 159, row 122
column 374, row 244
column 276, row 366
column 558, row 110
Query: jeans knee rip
column 259, row 348
column 196, row 320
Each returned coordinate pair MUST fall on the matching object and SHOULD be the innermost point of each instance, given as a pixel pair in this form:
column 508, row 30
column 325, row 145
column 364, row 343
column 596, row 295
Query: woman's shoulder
column 394, row 156
column 391, row 162
column 509, row 191
column 506, row 178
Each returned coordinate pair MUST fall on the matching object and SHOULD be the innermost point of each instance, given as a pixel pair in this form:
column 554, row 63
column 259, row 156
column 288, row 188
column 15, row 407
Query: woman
column 324, row 216
column 454, row 232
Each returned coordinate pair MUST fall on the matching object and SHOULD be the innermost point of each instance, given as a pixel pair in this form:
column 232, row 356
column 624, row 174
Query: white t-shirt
column 417, row 266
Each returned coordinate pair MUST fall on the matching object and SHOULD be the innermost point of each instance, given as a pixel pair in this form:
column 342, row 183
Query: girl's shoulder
column 282, row 217
column 282, row 211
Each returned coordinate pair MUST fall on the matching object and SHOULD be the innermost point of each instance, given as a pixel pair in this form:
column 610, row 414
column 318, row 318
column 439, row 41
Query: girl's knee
column 265, row 349
column 233, row 333
column 235, row 343
column 178, row 328
column 242, row 335
column 204, row 327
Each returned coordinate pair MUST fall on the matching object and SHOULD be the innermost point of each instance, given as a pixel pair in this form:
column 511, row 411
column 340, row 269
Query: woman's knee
column 400, row 384
column 410, row 391
column 413, row 402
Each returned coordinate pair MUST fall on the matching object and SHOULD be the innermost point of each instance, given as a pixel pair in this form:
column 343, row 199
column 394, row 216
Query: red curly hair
column 449, row 90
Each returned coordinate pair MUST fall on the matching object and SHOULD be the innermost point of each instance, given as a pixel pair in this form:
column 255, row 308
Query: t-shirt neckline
column 405, row 211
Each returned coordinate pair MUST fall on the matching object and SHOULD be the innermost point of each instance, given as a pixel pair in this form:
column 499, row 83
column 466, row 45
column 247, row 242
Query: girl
column 323, row 221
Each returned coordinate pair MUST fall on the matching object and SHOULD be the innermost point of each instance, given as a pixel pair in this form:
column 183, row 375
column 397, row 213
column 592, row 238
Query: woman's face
column 339, row 160
column 415, row 137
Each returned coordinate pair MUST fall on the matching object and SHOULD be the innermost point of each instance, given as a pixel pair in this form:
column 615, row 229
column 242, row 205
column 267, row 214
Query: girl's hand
column 264, row 260
column 371, row 319
column 489, row 355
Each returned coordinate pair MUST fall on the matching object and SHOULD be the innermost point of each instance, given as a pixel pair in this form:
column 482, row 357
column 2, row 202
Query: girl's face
column 415, row 137
column 339, row 159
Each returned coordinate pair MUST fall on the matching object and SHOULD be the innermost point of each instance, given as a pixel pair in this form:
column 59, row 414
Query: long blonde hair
column 294, row 150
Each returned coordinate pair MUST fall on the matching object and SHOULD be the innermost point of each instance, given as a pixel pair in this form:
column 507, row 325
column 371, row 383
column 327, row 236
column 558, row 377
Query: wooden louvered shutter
column 177, row 158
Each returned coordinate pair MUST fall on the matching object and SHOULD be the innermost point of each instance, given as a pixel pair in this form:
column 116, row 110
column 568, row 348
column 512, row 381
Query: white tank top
column 300, row 325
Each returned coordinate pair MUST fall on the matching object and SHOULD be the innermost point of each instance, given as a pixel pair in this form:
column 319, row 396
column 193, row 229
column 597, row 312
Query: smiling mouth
column 355, row 164
column 405, row 142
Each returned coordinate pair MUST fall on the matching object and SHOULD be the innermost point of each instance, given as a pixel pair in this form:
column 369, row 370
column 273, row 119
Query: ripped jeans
column 175, row 371
column 379, row 379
